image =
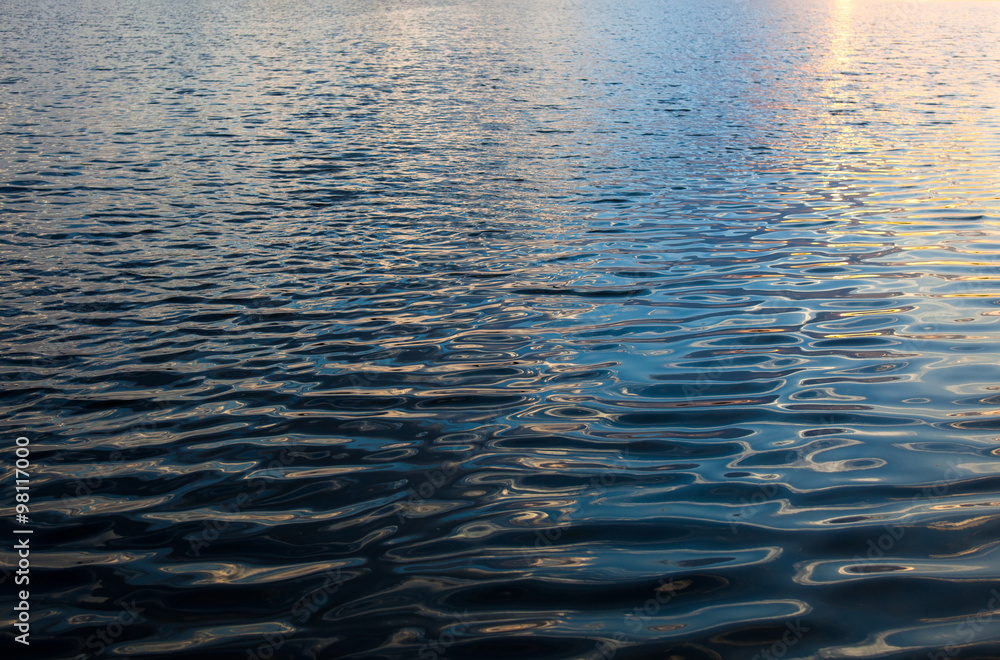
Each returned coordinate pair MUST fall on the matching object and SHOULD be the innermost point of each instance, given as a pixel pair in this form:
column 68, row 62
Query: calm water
column 428, row 329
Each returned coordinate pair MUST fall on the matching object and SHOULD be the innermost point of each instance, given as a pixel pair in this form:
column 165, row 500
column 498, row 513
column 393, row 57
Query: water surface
column 521, row 329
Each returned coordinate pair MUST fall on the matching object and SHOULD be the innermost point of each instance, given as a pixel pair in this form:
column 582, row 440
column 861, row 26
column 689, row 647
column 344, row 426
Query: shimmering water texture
column 414, row 329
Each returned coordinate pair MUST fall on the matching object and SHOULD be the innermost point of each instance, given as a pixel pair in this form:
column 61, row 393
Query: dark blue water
column 429, row 329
